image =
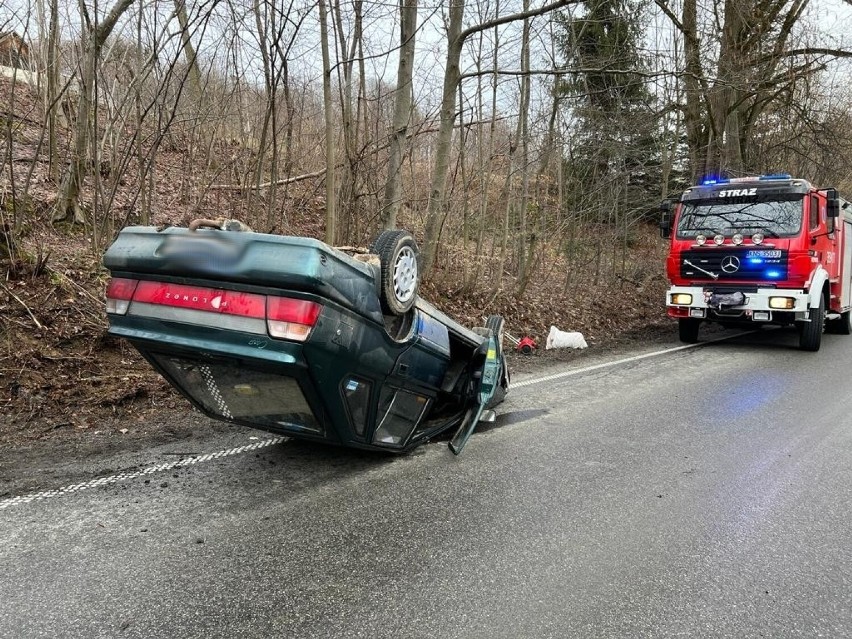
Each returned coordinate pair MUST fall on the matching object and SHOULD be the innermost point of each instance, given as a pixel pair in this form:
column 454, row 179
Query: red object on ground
column 526, row 345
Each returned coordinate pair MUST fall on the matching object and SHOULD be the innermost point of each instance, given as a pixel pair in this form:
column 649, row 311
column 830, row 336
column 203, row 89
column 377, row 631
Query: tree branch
column 516, row 16
column 837, row 53
column 573, row 71
column 792, row 53
column 675, row 21
column 250, row 187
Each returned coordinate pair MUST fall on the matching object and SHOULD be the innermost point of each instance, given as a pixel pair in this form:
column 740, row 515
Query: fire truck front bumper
column 763, row 305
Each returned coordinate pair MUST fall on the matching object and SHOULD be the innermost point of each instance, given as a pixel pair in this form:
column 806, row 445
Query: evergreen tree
column 607, row 91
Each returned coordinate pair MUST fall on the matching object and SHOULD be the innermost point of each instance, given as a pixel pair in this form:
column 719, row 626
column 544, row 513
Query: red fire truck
column 760, row 250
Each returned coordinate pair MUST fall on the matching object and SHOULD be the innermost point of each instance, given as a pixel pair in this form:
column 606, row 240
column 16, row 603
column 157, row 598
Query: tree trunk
column 93, row 39
column 52, row 94
column 401, row 112
column 523, row 128
column 752, row 45
column 438, row 187
column 724, row 153
column 269, row 115
column 330, row 189
column 188, row 49
column 452, row 75
column 693, row 120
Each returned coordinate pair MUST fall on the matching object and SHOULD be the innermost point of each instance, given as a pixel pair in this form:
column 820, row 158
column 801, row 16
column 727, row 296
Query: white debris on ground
column 564, row 339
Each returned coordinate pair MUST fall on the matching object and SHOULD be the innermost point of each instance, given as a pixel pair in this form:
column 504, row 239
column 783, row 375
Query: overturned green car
column 289, row 335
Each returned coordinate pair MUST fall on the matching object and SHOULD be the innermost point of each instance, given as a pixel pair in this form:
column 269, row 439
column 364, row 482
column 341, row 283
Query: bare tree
column 755, row 63
column 188, row 48
column 402, row 111
column 330, row 172
column 51, row 94
column 94, row 36
column 456, row 37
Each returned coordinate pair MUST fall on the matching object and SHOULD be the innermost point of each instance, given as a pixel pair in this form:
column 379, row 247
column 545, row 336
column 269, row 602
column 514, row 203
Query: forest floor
column 65, row 384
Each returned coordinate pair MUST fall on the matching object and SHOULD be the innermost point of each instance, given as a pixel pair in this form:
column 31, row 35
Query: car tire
column 376, row 246
column 810, row 336
column 400, row 270
column 687, row 328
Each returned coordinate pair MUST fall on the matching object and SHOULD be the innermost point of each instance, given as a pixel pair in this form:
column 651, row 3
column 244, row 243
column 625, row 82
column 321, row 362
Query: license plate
column 764, row 253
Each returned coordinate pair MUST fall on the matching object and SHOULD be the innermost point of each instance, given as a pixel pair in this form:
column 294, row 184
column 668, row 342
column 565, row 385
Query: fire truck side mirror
column 833, row 209
column 665, row 218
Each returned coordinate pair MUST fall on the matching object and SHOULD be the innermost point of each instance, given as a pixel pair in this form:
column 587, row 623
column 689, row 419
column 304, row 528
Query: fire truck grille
column 741, row 264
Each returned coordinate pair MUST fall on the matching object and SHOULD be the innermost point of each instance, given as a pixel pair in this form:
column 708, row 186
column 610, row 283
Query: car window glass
column 356, row 392
column 400, row 411
column 238, row 393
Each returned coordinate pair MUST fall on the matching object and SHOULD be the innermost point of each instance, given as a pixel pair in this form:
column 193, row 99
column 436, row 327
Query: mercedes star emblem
column 730, row 264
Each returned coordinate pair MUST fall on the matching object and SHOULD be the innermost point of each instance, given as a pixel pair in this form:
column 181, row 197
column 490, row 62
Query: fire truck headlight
column 782, row 302
column 700, row 239
column 737, row 238
column 681, row 299
column 719, row 239
column 757, row 238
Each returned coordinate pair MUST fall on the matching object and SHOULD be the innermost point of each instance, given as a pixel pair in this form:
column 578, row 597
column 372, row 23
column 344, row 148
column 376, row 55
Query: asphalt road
column 704, row 492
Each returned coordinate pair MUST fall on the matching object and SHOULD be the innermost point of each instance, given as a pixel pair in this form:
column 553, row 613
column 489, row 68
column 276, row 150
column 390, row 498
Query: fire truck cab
column 760, row 250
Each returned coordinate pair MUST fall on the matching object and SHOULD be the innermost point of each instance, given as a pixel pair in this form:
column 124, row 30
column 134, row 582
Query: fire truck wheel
column 810, row 336
column 687, row 328
column 841, row 326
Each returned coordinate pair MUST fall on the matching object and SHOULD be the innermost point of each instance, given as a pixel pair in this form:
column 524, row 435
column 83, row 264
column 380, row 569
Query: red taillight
column 291, row 319
column 119, row 292
column 283, row 309
column 202, row 299
column 285, row 318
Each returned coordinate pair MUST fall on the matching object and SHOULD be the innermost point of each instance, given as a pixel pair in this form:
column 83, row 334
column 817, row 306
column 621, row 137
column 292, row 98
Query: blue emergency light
column 709, row 180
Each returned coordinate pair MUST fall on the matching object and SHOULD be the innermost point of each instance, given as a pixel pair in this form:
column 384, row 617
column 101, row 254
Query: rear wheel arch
column 818, row 287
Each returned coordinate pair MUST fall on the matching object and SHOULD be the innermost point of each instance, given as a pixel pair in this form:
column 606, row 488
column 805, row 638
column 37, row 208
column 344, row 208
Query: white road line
column 150, row 470
column 635, row 358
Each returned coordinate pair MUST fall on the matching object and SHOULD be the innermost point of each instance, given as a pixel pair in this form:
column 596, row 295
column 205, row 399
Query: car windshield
column 779, row 217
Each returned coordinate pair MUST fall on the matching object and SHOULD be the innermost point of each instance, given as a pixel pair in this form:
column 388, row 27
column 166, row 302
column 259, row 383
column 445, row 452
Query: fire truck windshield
column 779, row 217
